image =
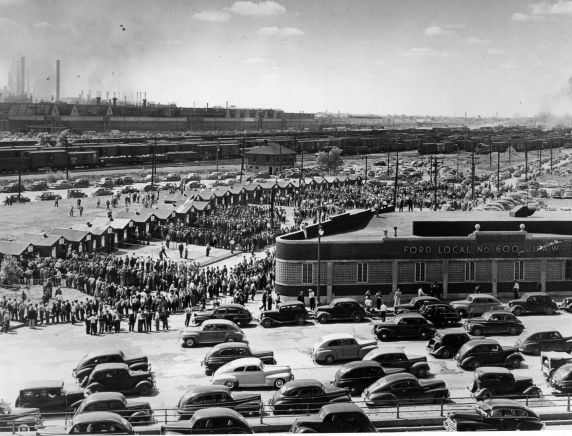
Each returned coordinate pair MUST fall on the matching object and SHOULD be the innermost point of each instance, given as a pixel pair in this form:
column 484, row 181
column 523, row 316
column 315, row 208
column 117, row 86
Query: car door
column 337, row 348
column 252, row 376
column 208, row 334
column 396, row 360
column 350, row 349
column 491, row 354
column 551, row 341
column 495, row 324
column 407, row 328
column 337, row 310
column 219, row 313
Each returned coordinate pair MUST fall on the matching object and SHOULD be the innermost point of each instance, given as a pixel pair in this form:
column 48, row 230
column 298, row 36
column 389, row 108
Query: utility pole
column 272, row 196
column 525, row 158
column 300, row 181
column 498, row 173
column 473, row 172
column 396, row 180
column 388, row 154
column 242, row 166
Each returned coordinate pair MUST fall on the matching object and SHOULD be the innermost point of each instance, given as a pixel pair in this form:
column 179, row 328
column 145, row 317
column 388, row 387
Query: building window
column 519, row 270
column 362, row 272
column 419, row 271
column 307, row 273
column 568, row 270
column 469, row 271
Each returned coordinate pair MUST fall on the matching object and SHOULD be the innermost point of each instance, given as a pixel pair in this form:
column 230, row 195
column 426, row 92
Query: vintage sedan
column 48, row 396
column 550, row 361
column 446, row 344
column 416, row 303
column 409, row 325
column 236, row 313
column 492, row 382
column 440, row 314
column 136, row 412
column 199, row 397
column 210, row 420
column 47, row 196
column 548, row 340
column 533, row 302
column 101, row 191
column 19, row 418
column 395, row 358
column 226, row 352
column 304, row 396
column 212, row 331
column 251, row 372
column 93, row 423
column 493, row 323
column 476, row 304
column 118, row 377
column 76, row 193
column 496, row 414
column 341, row 346
column 340, row 309
column 15, row 198
column 561, row 380
column 335, row 418
column 404, row 388
column 487, row 352
column 566, row 304
column 356, row 376
column 108, row 355
column 285, row 313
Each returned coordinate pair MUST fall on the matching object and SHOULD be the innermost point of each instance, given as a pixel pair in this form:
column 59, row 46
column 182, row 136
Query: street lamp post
column 320, row 234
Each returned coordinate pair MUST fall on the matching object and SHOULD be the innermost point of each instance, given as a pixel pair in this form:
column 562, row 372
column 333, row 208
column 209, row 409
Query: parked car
column 489, row 382
column 566, row 304
column 251, row 372
column 12, row 187
column 40, row 185
column 341, row 346
column 440, row 314
column 404, row 326
column 496, row 414
column 80, row 183
column 304, row 396
column 172, row 177
column 226, row 352
column 340, row 309
column 358, row 375
column 493, row 323
column 487, row 352
column 199, row 397
column 335, row 418
column 236, row 313
column 62, row 184
column 192, row 177
column 14, row 198
column 533, row 302
column 285, row 313
column 101, row 191
column 129, row 189
column 48, row 396
column 117, row 377
column 127, row 180
column 561, row 380
column 395, row 358
column 476, row 305
column 108, row 355
column 548, row 340
column 404, row 388
column 136, row 412
column 46, row 196
column 105, row 182
column 151, row 187
column 550, row 361
column 416, row 303
column 211, row 420
column 76, row 193
column 93, row 423
column 19, row 418
column 212, row 331
column 447, row 344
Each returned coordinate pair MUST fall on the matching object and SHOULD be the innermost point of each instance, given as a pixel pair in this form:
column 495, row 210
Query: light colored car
column 476, row 305
column 252, row 372
column 341, row 346
column 62, row 184
column 106, row 182
column 212, row 331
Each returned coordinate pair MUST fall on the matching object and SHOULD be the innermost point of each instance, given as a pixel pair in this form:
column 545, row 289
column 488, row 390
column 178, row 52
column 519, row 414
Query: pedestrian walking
column 515, row 289
column 397, row 298
column 311, row 299
column 382, row 311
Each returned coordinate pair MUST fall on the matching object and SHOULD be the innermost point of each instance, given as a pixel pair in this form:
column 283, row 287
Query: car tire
column 463, row 313
column 549, row 311
column 230, row 384
column 330, row 359
column 230, row 339
column 383, row 336
column 144, row 390
column 474, row 364
column 23, row 427
column 423, row 334
column 513, row 331
column 421, row 373
column 514, row 362
column 486, row 395
column 322, row 319
column 517, row 311
column 266, row 323
column 534, row 393
column 356, row 317
column 477, row 331
column 190, row 342
column 278, row 383
column 300, row 320
column 446, row 353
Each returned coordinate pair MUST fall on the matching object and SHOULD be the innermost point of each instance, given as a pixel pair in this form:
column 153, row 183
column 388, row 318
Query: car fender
column 480, row 394
column 328, row 315
column 140, row 366
column 80, row 375
column 340, row 400
column 385, row 398
column 283, row 375
column 513, row 308
column 91, row 386
column 223, row 378
column 321, row 354
column 418, row 365
column 531, row 389
column 143, row 382
column 75, row 405
column 389, row 332
column 363, row 351
column 439, row 351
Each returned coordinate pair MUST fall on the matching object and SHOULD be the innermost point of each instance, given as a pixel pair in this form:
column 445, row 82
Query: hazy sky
column 363, row 56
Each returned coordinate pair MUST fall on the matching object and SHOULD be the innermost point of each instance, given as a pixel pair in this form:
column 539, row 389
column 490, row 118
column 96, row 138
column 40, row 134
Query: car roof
column 112, row 365
column 410, row 315
column 240, row 306
column 474, row 342
column 536, row 332
column 498, row 311
column 341, row 408
column 87, row 417
column 303, row 382
column 379, row 351
column 556, row 354
column 244, row 361
column 504, row 402
column 400, row 376
column 292, row 303
column 350, row 366
column 343, row 300
column 214, row 412
column 219, row 321
column 334, row 336
column 225, row 345
column 204, row 389
column 481, row 295
column 43, row 384
column 492, row 369
column 104, row 396
column 530, row 294
column 101, row 352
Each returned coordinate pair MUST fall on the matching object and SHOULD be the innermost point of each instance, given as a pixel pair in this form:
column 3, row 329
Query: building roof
column 115, row 223
column 94, row 230
column 271, row 148
column 185, row 208
column 201, row 205
column 13, row 248
column 163, row 213
column 71, row 235
column 137, row 217
column 41, row 240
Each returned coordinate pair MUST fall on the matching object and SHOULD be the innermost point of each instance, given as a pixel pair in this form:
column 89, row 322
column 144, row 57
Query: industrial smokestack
column 144, row 102
column 22, row 75
column 58, row 80
column 97, row 100
column 114, row 101
column 107, row 95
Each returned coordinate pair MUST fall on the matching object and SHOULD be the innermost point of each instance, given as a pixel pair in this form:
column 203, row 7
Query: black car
column 490, row 382
column 210, row 420
column 404, row 388
column 108, row 355
column 561, row 380
column 236, row 313
column 487, row 352
column 199, row 397
column 493, row 323
column 136, row 412
column 14, row 198
column 550, row 361
column 496, row 414
column 285, row 313
column 92, row 423
column 447, row 344
column 533, row 302
column 416, row 303
column 18, row 418
column 409, row 325
column 356, row 376
column 441, row 314
column 226, row 352
column 335, row 418
column 117, row 377
column 549, row 340
column 76, row 193
column 48, row 396
column 395, row 358
column 340, row 309
column 304, row 396
column 47, row 196
column 80, row 183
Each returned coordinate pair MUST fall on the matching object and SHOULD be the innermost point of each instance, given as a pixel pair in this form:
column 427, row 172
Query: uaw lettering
column 469, row 249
